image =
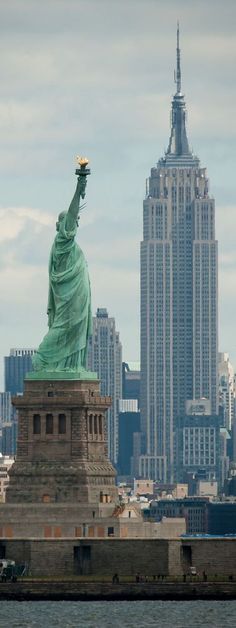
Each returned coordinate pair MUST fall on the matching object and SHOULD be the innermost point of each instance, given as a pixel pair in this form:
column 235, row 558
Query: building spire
column 178, row 144
column 178, row 68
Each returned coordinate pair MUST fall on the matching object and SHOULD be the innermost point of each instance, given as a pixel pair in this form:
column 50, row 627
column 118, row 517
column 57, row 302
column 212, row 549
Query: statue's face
column 60, row 218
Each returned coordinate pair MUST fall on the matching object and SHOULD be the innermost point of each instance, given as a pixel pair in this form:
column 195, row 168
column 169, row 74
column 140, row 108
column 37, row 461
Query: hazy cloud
column 96, row 77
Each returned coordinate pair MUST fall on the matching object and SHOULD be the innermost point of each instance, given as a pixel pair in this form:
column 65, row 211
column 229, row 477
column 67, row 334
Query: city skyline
column 48, row 90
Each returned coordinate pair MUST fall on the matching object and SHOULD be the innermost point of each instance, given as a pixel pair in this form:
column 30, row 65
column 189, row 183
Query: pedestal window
column 62, row 424
column 36, row 424
column 49, row 424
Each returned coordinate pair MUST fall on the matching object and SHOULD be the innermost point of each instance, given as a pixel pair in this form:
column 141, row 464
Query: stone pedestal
column 62, row 445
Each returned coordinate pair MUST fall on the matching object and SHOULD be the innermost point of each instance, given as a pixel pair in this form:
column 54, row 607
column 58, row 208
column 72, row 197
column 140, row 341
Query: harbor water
column 141, row 614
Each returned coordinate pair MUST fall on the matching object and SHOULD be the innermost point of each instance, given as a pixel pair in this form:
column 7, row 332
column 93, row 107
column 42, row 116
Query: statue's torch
column 82, row 173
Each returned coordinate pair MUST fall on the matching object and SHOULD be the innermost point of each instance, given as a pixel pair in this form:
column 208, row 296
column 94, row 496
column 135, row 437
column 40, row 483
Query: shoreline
column 103, row 591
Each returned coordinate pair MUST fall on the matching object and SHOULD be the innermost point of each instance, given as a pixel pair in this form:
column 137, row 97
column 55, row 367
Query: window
column 49, row 424
column 62, row 424
column 2, row 551
column 100, row 424
column 90, row 424
column 187, row 554
column 36, row 424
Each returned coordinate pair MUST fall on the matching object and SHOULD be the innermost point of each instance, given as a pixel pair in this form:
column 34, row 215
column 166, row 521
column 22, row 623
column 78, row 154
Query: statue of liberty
column 64, row 348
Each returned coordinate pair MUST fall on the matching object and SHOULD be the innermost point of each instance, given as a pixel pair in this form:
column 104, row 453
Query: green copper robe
column 64, row 348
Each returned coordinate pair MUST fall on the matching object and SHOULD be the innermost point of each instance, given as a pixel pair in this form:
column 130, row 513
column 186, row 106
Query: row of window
column 95, row 424
column 50, row 422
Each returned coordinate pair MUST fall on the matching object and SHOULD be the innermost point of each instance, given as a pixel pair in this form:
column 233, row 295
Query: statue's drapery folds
column 64, row 347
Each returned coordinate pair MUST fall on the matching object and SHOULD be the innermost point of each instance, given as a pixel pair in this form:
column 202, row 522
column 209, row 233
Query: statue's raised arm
column 73, row 211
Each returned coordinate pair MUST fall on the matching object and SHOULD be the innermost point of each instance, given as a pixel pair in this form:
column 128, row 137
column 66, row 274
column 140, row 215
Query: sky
column 96, row 78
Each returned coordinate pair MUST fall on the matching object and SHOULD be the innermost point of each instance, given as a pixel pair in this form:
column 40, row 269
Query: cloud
column 68, row 73
column 97, row 77
column 24, row 237
column 13, row 220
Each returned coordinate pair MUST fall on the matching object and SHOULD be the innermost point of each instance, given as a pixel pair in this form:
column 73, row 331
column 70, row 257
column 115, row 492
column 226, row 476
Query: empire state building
column 179, row 294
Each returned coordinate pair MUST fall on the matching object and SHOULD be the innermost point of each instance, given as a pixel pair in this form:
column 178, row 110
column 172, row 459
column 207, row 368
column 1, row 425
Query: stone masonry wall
column 104, row 557
column 95, row 557
column 214, row 556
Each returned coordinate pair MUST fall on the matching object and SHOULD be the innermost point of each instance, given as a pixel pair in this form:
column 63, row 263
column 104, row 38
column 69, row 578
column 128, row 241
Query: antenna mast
column 178, row 69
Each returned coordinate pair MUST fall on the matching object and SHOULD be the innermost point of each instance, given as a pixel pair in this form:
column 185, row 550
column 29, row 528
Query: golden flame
column 82, row 161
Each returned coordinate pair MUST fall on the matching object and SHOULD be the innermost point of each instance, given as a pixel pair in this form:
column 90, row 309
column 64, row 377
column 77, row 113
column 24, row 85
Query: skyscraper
column 6, row 408
column 226, row 391
column 105, row 358
column 131, row 381
column 8, row 424
column 17, row 364
column 129, row 428
column 130, row 436
column 179, row 302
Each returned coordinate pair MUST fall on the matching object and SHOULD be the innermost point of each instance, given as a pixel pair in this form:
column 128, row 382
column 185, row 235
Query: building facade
column 5, row 464
column 221, row 518
column 226, row 391
column 8, row 425
column 198, row 443
column 105, row 358
column 130, row 436
column 131, row 381
column 17, row 364
column 129, row 427
column 179, row 302
column 193, row 510
column 9, row 437
column 6, row 408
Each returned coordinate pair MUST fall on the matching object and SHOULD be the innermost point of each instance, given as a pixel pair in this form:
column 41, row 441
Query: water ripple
column 146, row 614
